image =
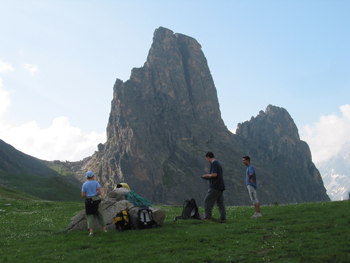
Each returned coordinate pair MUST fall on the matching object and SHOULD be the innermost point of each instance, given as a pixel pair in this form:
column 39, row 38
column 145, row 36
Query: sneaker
column 207, row 219
column 90, row 235
column 222, row 221
column 106, row 231
column 256, row 215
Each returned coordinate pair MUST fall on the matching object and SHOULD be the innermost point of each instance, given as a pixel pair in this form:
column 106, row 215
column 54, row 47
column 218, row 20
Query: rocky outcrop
column 166, row 117
column 272, row 139
column 161, row 124
column 115, row 203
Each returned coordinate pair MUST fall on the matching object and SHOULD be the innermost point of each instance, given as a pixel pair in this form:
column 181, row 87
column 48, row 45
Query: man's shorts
column 252, row 194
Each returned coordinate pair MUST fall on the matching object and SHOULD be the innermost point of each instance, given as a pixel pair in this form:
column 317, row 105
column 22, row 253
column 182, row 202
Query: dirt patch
column 268, row 237
column 260, row 252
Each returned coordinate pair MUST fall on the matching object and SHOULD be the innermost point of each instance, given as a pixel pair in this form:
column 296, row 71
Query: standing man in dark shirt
column 216, row 189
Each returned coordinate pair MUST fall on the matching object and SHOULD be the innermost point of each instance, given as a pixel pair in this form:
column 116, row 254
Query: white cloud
column 5, row 66
column 58, row 142
column 33, row 69
column 327, row 136
column 5, row 100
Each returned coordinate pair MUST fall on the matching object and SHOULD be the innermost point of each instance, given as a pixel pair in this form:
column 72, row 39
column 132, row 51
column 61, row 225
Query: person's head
column 209, row 156
column 90, row 175
column 246, row 160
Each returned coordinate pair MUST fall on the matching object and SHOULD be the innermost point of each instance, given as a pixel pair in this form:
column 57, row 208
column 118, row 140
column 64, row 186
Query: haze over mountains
column 166, row 117
column 336, row 174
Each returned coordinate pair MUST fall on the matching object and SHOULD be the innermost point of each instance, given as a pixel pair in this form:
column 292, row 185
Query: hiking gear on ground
column 91, row 206
column 145, row 218
column 122, row 221
column 190, row 210
column 136, row 200
column 120, row 185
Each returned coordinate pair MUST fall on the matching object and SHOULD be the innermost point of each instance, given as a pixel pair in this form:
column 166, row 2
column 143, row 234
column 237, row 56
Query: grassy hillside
column 63, row 170
column 13, row 194
column 35, row 231
column 53, row 189
column 14, row 161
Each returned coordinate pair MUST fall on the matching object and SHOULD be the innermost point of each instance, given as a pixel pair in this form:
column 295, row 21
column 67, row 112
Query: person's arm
column 213, row 170
column 99, row 191
column 83, row 194
column 251, row 176
column 209, row 175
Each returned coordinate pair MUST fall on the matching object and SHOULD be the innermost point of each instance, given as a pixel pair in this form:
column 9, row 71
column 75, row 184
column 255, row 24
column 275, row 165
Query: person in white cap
column 91, row 191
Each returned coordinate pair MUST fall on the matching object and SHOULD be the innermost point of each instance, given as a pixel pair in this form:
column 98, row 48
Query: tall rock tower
column 163, row 120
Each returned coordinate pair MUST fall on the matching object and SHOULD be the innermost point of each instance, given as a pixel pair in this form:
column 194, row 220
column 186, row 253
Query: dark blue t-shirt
column 218, row 181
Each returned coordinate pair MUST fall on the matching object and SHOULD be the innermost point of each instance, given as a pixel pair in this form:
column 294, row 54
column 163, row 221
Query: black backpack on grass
column 145, row 218
column 122, row 221
column 190, row 210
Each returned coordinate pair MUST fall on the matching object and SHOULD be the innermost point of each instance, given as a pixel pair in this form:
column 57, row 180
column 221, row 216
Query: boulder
column 111, row 206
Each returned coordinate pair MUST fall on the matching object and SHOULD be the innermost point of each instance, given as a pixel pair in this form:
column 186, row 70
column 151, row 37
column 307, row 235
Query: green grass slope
column 13, row 194
column 36, row 231
column 53, row 189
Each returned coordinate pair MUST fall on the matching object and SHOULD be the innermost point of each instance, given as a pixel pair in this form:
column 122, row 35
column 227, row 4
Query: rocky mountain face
column 336, row 174
column 273, row 139
column 166, row 117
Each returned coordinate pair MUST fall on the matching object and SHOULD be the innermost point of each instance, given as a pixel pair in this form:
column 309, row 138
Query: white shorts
column 252, row 194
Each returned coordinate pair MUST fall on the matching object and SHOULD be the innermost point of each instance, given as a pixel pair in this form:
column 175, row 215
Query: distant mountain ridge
column 336, row 174
column 30, row 175
column 14, row 161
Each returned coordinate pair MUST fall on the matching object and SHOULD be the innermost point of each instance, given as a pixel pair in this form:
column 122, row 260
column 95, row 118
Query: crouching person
column 91, row 191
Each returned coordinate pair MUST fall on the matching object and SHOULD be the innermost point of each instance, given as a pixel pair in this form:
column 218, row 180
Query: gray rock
column 117, row 194
column 166, row 117
column 110, row 208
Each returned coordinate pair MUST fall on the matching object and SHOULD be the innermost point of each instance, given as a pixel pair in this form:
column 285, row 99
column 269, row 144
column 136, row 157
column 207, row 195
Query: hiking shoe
column 256, row 215
column 90, row 235
column 222, row 221
column 207, row 219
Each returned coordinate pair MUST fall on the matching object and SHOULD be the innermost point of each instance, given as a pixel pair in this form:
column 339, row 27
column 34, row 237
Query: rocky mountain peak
column 166, row 117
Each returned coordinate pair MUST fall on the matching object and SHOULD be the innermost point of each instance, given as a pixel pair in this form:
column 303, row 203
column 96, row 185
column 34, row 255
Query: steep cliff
column 166, row 117
column 273, row 140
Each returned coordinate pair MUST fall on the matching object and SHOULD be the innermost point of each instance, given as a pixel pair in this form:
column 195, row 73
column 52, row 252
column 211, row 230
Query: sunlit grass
column 36, row 231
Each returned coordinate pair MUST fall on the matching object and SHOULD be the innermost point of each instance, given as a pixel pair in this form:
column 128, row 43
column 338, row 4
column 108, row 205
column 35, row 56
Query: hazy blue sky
column 59, row 61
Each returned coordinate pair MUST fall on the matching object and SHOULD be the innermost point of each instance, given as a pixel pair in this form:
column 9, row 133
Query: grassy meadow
column 33, row 230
